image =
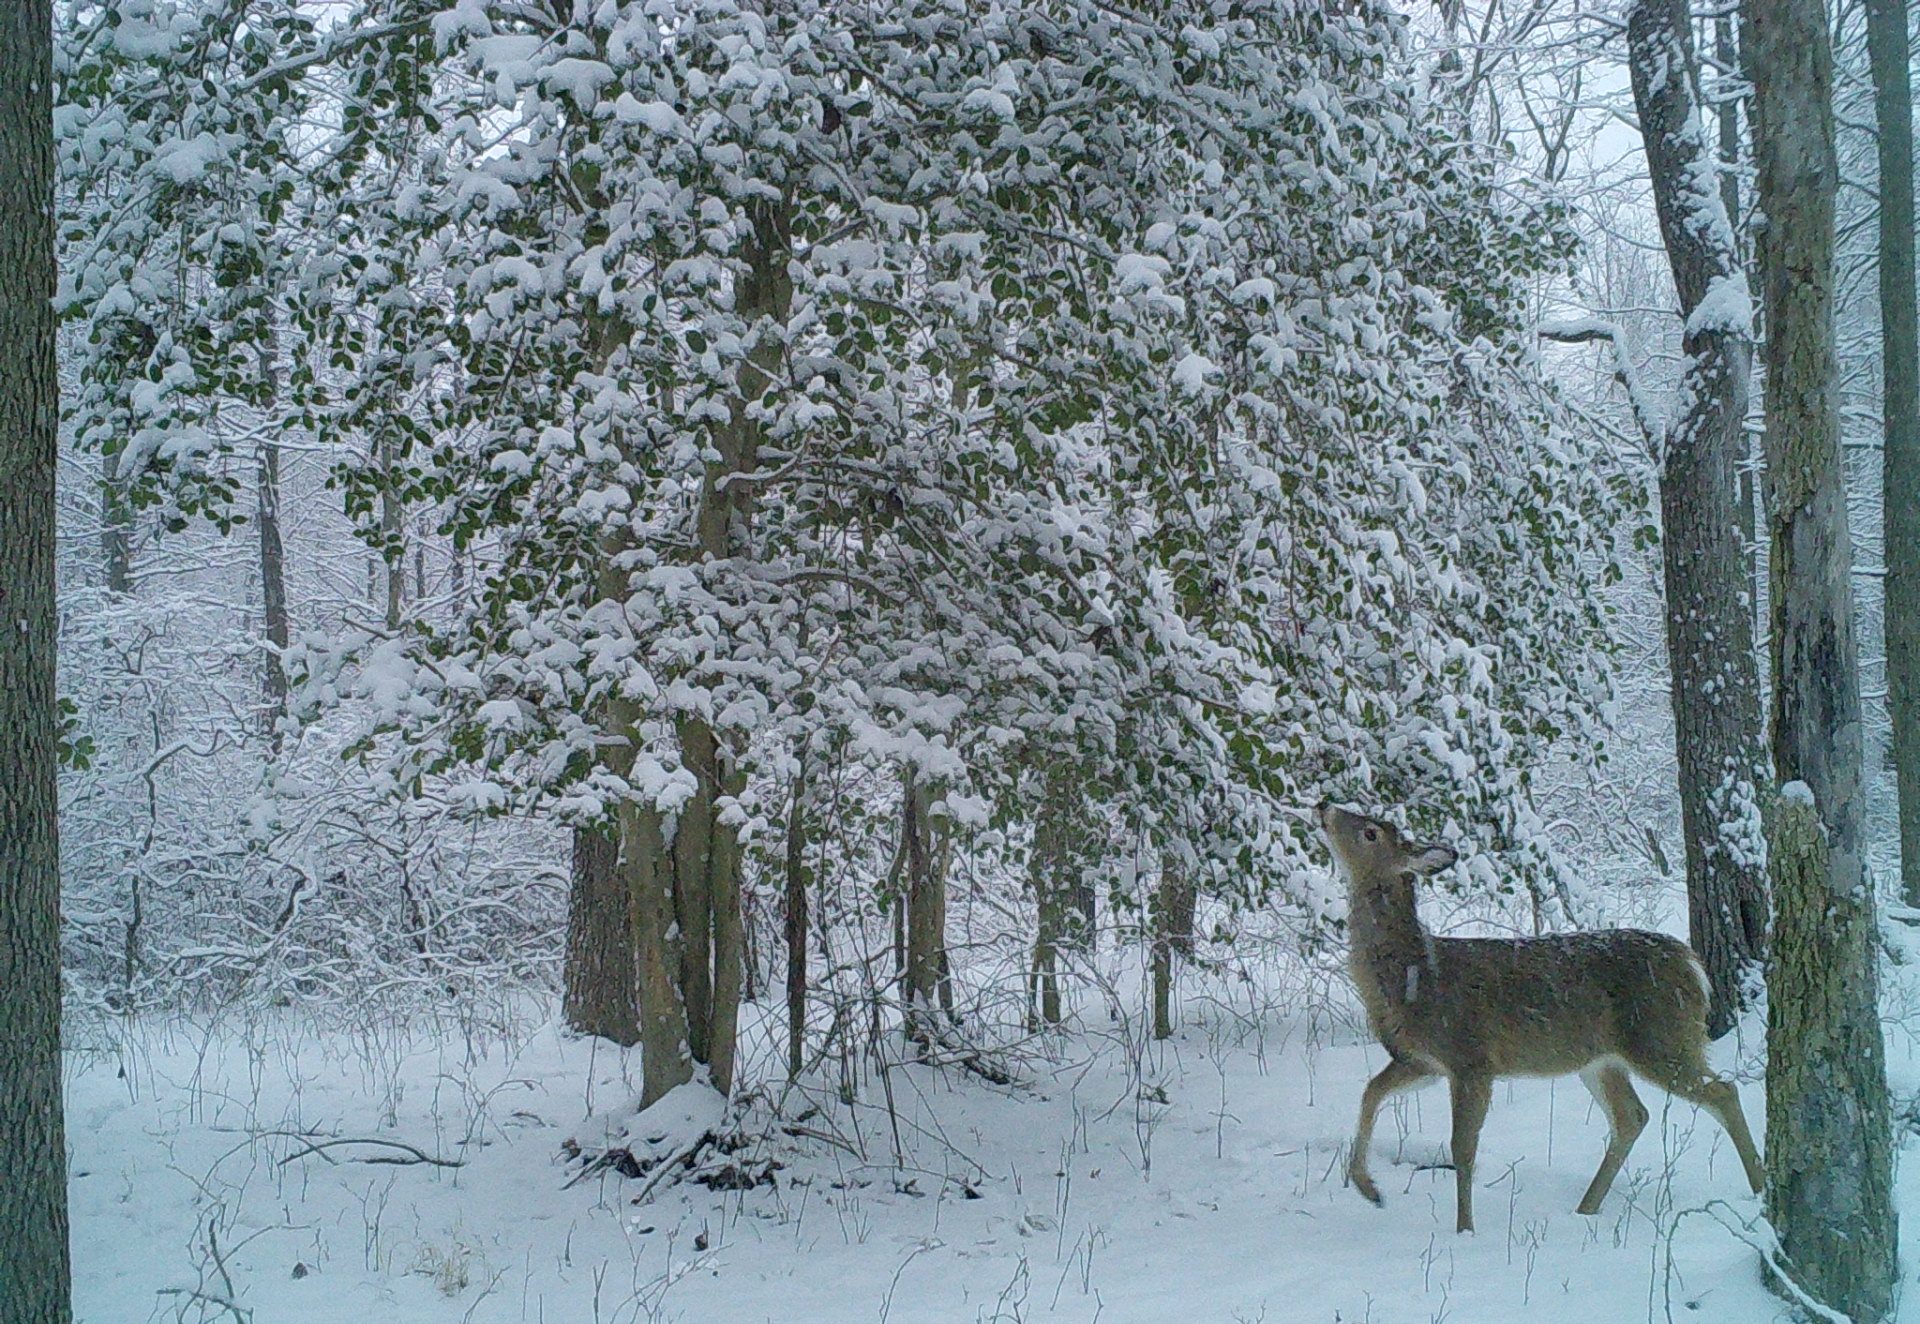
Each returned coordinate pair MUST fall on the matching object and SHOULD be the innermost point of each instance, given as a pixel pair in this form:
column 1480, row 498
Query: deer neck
column 1393, row 954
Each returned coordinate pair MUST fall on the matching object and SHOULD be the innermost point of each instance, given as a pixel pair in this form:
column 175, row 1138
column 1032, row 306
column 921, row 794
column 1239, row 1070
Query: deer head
column 1371, row 850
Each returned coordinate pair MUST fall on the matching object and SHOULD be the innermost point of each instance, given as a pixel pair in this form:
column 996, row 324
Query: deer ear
column 1432, row 859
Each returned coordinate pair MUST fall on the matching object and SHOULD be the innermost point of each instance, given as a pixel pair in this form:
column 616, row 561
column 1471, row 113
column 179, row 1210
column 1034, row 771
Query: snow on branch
column 1586, row 330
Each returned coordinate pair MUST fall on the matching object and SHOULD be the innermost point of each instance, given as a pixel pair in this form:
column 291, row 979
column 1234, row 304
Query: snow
column 1028, row 586
column 1797, row 793
column 656, row 116
column 673, row 1125
column 1191, row 374
column 467, row 18
column 516, row 462
column 183, row 160
column 1727, row 306
column 1127, row 1181
column 579, row 79
column 1140, row 272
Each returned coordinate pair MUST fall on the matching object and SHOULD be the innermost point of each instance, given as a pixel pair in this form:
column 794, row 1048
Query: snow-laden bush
column 203, row 863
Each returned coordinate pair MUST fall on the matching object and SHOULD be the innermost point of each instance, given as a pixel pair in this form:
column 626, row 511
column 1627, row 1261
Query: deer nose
column 1320, row 810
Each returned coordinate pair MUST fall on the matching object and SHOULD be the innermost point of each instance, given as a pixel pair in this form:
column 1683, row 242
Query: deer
column 1608, row 1004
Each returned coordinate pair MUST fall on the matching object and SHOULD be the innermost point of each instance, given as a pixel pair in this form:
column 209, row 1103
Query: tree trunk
column 1716, row 702
column 796, row 925
column 646, row 867
column 600, row 975
column 1047, row 873
column 1179, row 901
column 940, row 836
column 35, row 1281
column 1828, row 1194
column 1171, row 898
column 926, row 919
column 693, row 863
column 683, row 873
column 116, row 527
column 1900, row 401
column 722, row 887
column 1726, row 51
column 273, row 584
column 1829, row 1144
column 393, row 557
column 1083, row 928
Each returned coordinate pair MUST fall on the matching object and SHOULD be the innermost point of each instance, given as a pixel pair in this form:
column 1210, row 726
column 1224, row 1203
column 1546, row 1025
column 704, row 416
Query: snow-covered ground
column 1197, row 1179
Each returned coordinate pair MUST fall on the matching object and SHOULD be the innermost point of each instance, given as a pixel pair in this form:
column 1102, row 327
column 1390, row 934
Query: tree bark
column 1083, row 927
column 1716, row 704
column 1829, row 1143
column 116, row 528
column 729, row 950
column 1726, row 51
column 925, row 914
column 646, row 867
column 695, row 841
column 1179, row 901
column 1829, row 1197
column 273, row 584
column 796, row 925
column 1047, row 873
column 393, row 558
column 1162, row 918
column 600, row 974
column 1900, row 403
column 35, row 1278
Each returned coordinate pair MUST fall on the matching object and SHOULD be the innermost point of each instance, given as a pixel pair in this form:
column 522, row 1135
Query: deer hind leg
column 1685, row 1074
column 1626, row 1118
column 1392, row 1078
column 1471, row 1095
column 1721, row 1097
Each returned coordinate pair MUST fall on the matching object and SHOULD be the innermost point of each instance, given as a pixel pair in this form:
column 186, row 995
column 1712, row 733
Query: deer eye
column 1373, row 834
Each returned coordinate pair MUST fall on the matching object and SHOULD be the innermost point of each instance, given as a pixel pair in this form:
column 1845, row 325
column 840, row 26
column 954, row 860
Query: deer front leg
column 1395, row 1076
column 1471, row 1095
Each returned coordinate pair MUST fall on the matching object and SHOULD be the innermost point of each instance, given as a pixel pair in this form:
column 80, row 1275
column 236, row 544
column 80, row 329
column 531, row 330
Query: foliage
column 1144, row 389
column 1152, row 392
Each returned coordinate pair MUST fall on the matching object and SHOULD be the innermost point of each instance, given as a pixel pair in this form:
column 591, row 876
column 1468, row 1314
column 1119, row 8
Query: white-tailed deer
column 1474, row 1009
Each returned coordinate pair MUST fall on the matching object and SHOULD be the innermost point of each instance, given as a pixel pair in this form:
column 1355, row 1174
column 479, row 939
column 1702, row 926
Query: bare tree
column 275, row 621
column 116, row 526
column 273, row 579
column 927, row 984
column 35, row 1279
column 1726, row 58
column 1829, row 1178
column 796, row 923
column 1900, row 403
column 1716, row 689
column 392, row 531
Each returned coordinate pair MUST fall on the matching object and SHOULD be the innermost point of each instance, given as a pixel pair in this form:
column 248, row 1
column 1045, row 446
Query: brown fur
column 1475, row 1009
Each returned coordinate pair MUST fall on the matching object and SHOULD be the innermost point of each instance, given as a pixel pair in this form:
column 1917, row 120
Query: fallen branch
column 409, row 1155
column 239, row 1312
column 809, row 1133
column 1758, row 1234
